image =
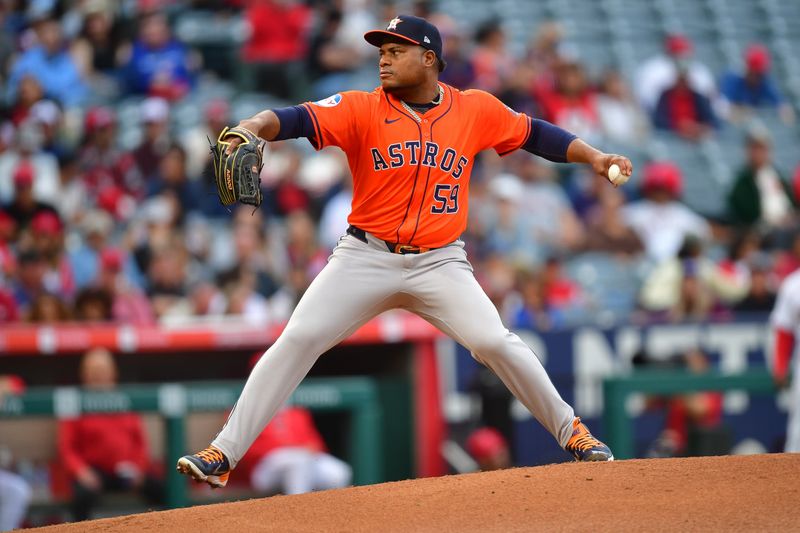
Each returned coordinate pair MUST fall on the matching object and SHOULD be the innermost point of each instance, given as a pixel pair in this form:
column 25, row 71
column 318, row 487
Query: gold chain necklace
column 437, row 101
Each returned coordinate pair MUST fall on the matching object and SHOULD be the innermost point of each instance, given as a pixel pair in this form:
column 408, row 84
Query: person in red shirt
column 290, row 457
column 8, row 267
column 105, row 452
column 129, row 304
column 560, row 291
column 47, row 233
column 685, row 111
column 489, row 449
column 796, row 184
column 30, row 91
column 491, row 62
column 570, row 103
column 278, row 43
column 699, row 413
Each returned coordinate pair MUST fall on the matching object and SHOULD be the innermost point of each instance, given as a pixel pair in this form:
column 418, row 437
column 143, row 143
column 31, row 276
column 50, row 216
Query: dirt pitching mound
column 745, row 493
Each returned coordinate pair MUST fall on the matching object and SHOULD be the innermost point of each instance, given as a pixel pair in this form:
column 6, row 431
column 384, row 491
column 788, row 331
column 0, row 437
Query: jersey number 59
column 445, row 199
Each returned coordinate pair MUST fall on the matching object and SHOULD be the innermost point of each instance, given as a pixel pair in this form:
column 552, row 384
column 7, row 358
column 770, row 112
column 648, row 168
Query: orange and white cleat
column 209, row 466
column 584, row 447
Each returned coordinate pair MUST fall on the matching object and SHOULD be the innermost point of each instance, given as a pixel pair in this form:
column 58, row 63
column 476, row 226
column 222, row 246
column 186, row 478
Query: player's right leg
column 359, row 282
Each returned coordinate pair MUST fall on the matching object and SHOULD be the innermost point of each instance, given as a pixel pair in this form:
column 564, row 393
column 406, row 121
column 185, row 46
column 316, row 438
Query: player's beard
column 397, row 86
column 391, row 84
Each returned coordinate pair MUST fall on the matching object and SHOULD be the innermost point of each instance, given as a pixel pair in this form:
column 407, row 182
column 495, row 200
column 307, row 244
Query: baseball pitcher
column 411, row 144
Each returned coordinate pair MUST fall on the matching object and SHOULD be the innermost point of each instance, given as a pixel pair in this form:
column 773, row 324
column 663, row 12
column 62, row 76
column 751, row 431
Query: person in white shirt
column 15, row 494
column 621, row 118
column 759, row 195
column 28, row 151
column 660, row 220
column 785, row 321
column 661, row 71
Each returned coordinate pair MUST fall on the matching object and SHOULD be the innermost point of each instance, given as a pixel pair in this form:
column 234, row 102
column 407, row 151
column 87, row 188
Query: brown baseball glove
column 237, row 173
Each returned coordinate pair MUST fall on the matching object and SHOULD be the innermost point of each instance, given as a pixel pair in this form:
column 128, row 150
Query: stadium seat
column 606, row 281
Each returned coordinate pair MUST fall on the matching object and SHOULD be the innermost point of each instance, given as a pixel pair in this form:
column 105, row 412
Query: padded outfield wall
column 578, row 360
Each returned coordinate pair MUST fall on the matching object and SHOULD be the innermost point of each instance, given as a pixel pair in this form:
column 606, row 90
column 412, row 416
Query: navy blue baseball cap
column 415, row 30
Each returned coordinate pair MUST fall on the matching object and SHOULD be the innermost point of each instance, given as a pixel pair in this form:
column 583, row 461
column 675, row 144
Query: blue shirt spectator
column 761, row 92
column 755, row 87
column 86, row 265
column 158, row 65
column 51, row 65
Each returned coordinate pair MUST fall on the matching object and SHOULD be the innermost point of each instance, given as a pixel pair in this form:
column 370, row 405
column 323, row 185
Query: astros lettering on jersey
column 410, row 177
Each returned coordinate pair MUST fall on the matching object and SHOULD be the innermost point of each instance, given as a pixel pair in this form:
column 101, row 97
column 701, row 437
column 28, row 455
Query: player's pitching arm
column 615, row 168
column 551, row 142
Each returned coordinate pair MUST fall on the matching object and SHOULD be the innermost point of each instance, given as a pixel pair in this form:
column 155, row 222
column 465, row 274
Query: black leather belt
column 394, row 247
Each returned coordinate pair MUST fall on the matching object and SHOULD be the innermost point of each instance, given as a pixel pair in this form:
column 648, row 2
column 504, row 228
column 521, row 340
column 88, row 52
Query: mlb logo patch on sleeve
column 330, row 101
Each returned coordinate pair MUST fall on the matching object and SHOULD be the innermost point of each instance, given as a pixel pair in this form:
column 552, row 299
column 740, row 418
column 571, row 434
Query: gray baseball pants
column 362, row 280
column 793, row 427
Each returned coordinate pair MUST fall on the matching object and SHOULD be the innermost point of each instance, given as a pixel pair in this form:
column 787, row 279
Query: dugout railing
column 357, row 396
column 616, row 390
column 397, row 349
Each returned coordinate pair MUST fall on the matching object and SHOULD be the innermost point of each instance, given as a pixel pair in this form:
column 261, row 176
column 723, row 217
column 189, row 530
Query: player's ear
column 429, row 58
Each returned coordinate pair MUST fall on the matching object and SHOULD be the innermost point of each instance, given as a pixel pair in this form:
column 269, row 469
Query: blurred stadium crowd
column 108, row 212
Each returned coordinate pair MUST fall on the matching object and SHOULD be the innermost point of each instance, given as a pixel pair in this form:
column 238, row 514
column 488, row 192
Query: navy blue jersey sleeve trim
column 295, row 122
column 316, row 138
column 548, row 141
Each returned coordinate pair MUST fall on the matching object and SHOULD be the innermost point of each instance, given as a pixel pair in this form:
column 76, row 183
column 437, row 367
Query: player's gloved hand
column 238, row 158
column 235, row 140
column 603, row 163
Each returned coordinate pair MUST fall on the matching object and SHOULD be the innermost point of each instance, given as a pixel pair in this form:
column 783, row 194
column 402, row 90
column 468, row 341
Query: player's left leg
column 448, row 295
column 360, row 281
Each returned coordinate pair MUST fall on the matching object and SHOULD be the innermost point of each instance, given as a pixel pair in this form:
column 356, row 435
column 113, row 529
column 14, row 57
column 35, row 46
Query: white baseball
column 615, row 176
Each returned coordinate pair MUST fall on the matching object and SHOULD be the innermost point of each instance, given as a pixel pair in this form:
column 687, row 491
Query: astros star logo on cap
column 393, row 23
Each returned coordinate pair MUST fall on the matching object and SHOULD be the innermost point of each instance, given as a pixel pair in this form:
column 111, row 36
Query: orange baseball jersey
column 410, row 177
